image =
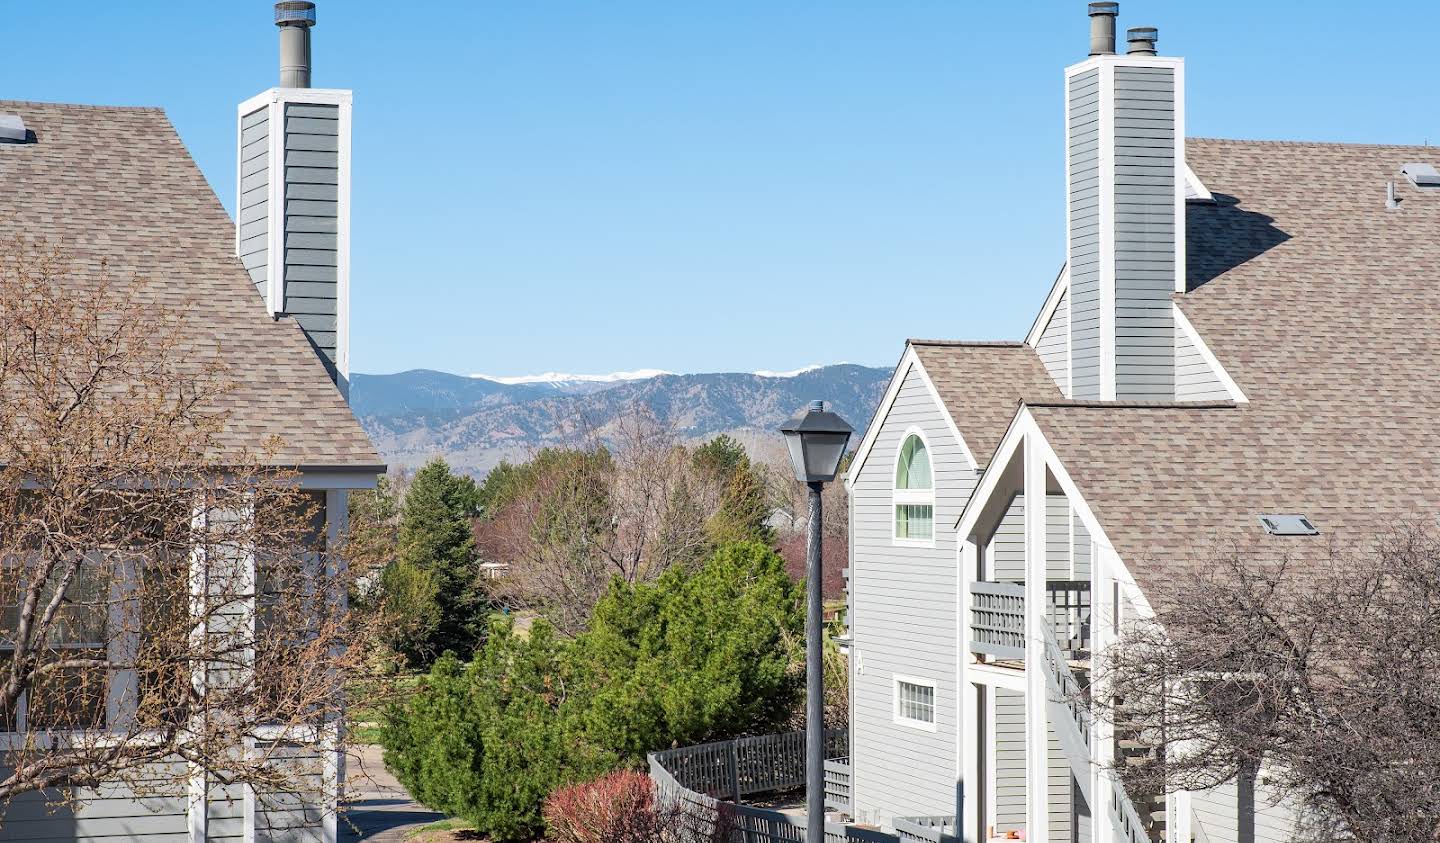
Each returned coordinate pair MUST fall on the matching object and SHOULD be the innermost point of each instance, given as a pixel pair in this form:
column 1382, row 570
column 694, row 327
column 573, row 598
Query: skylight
column 1423, row 176
column 1288, row 525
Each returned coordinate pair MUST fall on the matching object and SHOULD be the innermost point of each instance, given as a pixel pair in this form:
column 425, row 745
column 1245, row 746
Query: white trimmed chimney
column 292, row 227
column 1125, row 164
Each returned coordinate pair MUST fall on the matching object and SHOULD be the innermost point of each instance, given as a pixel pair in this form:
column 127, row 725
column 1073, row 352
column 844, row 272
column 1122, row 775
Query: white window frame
column 119, row 684
column 912, row 497
column 910, row 722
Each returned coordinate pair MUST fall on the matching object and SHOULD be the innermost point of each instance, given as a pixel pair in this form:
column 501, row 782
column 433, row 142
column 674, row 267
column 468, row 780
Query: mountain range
column 477, row 421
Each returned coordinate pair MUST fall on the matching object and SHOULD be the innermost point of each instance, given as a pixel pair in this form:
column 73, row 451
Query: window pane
column 84, row 610
column 917, row 702
column 913, row 470
column 914, row 521
column 71, row 698
column 163, row 665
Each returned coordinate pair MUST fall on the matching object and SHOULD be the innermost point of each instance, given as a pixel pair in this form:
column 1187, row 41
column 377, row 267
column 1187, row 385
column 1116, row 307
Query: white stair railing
column 1071, row 716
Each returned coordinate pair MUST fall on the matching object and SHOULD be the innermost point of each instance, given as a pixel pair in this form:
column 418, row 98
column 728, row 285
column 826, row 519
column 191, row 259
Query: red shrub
column 621, row 808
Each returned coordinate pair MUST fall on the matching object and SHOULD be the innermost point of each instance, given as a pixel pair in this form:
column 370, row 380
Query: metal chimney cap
column 1110, row 9
column 1142, row 40
column 295, row 13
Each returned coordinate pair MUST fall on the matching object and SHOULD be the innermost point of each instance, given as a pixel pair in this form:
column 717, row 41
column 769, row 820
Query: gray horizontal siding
column 254, row 195
column 1215, row 811
column 1010, row 792
column 312, row 210
column 109, row 813
column 1007, row 545
column 1145, row 176
column 903, row 618
column 290, row 817
column 1195, row 379
column 1053, row 347
column 1083, row 248
column 1009, row 760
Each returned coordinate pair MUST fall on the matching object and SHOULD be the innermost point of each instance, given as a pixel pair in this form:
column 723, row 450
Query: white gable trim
column 1024, row 426
column 1195, row 190
column 908, row 361
column 1047, row 312
column 1209, row 357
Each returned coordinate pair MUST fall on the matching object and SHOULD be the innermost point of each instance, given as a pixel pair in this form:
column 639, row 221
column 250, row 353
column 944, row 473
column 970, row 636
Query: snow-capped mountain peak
column 766, row 373
column 562, row 378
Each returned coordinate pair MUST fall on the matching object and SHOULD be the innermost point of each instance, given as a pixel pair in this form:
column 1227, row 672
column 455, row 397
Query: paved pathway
column 379, row 810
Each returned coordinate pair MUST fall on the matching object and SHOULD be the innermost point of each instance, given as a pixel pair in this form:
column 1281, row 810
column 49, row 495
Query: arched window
column 914, row 495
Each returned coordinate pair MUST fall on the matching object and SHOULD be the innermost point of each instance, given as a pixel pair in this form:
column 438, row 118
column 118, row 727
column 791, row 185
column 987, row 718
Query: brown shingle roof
column 116, row 184
column 1322, row 305
column 982, row 384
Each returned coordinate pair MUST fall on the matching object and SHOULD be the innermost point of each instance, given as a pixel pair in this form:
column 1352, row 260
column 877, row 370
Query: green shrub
column 488, row 742
column 694, row 656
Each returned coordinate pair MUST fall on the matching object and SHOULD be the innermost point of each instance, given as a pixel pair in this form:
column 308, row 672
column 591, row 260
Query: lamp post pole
column 814, row 675
column 816, row 439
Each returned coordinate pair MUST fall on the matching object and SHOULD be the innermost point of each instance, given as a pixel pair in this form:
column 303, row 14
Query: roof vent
column 1288, row 525
column 1142, row 40
column 12, row 128
column 1423, row 176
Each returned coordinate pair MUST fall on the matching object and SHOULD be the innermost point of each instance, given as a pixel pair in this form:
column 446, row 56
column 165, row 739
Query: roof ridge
column 1336, row 144
column 968, row 343
column 4, row 103
column 1131, row 404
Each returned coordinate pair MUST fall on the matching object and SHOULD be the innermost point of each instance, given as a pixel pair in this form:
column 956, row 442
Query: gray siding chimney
column 1125, row 153
column 293, row 215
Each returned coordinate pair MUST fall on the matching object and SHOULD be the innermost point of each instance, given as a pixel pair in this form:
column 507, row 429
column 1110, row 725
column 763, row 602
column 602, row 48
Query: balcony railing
column 691, row 779
column 837, row 785
column 997, row 618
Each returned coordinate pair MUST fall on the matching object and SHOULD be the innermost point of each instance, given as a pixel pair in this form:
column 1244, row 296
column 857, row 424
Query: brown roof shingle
column 1322, row 305
column 982, row 384
column 117, row 185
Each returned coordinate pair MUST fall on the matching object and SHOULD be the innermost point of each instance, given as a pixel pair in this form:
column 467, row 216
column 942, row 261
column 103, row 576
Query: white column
column 968, row 740
column 1103, row 619
column 1037, row 737
column 337, row 523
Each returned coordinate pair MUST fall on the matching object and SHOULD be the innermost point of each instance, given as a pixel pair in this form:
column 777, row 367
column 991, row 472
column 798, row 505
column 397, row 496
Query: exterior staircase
column 998, row 631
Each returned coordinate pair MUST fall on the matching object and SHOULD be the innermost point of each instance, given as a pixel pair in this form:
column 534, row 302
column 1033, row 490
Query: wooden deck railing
column 735, row 769
column 997, row 618
column 837, row 785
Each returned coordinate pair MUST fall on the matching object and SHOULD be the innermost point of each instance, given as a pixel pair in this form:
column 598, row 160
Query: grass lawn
column 444, row 831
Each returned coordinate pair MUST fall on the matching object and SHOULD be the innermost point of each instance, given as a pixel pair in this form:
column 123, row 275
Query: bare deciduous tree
column 169, row 603
column 630, row 506
column 1321, row 674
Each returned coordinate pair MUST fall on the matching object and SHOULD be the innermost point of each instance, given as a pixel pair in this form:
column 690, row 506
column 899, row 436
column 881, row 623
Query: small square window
column 915, row 703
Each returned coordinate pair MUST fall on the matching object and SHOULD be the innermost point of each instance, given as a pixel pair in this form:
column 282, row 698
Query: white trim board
column 1023, row 425
column 900, row 720
column 908, row 360
column 1183, row 323
column 1052, row 301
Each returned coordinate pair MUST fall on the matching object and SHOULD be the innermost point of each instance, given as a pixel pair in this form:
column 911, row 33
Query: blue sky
column 593, row 186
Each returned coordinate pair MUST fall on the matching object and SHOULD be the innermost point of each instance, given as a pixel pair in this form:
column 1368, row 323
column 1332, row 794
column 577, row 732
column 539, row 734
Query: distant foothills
column 477, row 421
